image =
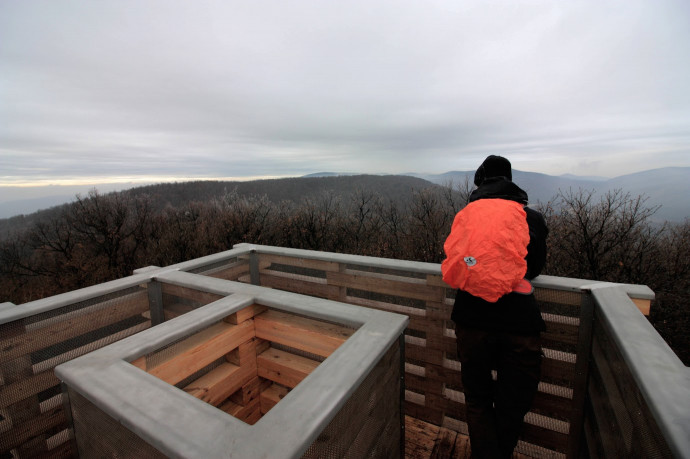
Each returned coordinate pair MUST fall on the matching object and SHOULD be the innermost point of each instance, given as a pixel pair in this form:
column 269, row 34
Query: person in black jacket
column 502, row 336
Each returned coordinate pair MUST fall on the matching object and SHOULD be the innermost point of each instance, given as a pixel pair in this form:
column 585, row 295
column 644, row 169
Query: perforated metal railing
column 622, row 409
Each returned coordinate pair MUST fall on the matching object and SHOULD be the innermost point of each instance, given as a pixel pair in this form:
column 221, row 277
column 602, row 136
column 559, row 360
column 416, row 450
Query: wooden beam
column 189, row 293
column 316, row 337
column 221, row 382
column 245, row 314
column 271, row 396
column 194, row 353
column 284, row 368
column 249, row 413
column 643, row 305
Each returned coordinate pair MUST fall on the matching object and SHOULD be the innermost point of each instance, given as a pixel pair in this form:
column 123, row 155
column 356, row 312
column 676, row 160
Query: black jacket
column 513, row 312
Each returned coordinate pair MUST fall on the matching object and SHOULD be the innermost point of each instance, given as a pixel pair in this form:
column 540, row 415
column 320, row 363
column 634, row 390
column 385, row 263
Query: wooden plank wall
column 432, row 371
column 32, row 419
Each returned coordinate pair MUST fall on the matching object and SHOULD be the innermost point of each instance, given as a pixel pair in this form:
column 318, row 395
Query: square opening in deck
column 247, row 362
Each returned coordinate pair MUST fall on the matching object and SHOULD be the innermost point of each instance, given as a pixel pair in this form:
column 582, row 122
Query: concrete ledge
column 660, row 375
column 152, row 409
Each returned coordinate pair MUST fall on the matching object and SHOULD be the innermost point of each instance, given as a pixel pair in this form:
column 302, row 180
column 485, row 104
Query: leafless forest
column 102, row 237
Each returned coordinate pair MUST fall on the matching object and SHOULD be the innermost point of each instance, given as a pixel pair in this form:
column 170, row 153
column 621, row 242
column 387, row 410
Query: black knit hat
column 493, row 166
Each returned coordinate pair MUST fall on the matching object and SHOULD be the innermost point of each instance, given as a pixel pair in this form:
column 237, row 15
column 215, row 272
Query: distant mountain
column 667, row 187
column 593, row 178
column 329, row 174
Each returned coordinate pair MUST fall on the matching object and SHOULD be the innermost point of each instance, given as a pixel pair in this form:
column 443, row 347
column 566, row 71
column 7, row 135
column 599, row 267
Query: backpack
column 486, row 249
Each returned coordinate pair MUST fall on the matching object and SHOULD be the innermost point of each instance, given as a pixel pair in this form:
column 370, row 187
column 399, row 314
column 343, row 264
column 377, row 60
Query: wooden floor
column 426, row 441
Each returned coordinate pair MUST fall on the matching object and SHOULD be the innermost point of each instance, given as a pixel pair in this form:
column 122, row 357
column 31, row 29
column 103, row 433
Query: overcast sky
column 101, row 91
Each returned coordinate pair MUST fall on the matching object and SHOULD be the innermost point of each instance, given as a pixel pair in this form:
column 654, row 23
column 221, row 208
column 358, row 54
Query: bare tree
column 595, row 238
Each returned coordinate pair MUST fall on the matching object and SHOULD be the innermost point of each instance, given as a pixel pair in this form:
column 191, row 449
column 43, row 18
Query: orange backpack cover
column 486, row 248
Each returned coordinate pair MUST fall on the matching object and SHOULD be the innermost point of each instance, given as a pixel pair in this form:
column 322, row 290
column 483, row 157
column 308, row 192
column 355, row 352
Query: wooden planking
column 27, row 430
column 24, row 388
column 283, row 367
column 58, row 332
column 413, row 313
column 378, row 284
column 317, row 265
column 228, row 273
column 221, row 382
column 316, row 337
column 199, row 350
column 297, row 284
column 420, row 438
column 271, row 396
column 546, row 438
column 52, row 362
column 444, row 446
column 424, row 354
column 189, row 293
column 245, row 314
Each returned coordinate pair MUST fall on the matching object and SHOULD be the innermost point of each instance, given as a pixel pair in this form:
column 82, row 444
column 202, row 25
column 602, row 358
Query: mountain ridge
column 666, row 187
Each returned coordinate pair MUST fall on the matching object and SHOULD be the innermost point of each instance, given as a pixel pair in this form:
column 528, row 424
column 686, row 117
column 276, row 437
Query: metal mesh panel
column 618, row 422
column 99, row 435
column 32, row 418
column 369, row 424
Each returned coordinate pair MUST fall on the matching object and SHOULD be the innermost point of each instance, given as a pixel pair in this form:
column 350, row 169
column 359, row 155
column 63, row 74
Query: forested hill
column 396, row 188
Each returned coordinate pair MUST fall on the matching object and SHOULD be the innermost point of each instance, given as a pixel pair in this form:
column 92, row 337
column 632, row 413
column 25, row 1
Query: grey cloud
column 250, row 88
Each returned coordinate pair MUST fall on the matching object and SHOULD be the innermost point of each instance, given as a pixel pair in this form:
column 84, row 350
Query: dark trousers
column 496, row 409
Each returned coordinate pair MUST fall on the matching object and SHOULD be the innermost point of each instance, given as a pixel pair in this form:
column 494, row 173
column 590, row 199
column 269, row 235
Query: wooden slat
column 19, row 390
column 198, row 351
column 218, row 384
column 63, row 330
column 545, row 438
column 230, row 273
column 438, row 310
column 52, row 362
column 27, row 430
column 444, row 444
column 558, row 330
column 370, row 282
column 388, row 287
column 318, row 265
column 420, row 438
column 189, row 294
column 283, row 367
column 298, row 285
column 560, row 370
column 308, row 335
column 271, row 396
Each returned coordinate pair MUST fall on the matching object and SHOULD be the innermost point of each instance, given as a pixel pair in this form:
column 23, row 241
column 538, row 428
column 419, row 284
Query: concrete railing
column 575, row 401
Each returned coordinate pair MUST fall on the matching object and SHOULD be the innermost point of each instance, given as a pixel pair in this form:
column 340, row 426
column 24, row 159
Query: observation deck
column 611, row 387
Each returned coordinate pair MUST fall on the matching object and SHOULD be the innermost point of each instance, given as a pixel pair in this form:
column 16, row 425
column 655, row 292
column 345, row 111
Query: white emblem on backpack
column 470, row 261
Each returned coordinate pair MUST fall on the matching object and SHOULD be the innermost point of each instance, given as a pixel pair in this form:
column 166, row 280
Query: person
column 503, row 335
